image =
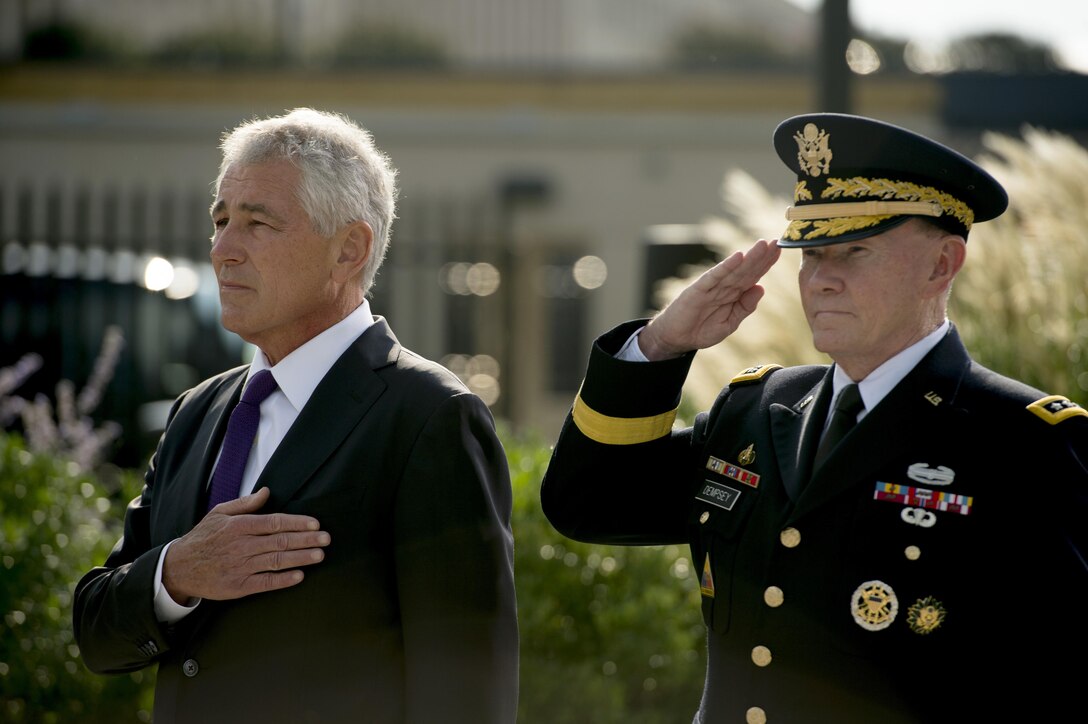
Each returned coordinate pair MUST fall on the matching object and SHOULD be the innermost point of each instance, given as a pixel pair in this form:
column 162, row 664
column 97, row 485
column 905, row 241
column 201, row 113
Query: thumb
column 246, row 504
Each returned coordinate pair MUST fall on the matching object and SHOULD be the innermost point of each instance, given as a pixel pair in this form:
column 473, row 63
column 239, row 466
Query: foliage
column 73, row 42
column 218, row 48
column 56, row 522
column 387, row 47
column 608, row 633
column 724, row 48
column 68, row 432
column 1021, row 301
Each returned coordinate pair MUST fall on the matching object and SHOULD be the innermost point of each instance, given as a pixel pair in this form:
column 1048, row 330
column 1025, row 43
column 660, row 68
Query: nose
column 226, row 247
column 820, row 275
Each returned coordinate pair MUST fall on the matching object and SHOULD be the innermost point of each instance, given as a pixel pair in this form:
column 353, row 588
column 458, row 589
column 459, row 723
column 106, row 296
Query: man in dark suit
column 913, row 551
column 354, row 562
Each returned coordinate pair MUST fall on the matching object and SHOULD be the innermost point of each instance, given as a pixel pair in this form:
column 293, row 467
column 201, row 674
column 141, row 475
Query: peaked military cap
column 857, row 177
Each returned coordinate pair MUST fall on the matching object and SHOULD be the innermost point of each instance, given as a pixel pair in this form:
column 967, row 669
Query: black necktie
column 843, row 418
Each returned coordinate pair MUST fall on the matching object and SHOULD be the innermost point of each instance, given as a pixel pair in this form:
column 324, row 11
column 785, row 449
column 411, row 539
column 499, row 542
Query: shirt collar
column 298, row 373
column 878, row 383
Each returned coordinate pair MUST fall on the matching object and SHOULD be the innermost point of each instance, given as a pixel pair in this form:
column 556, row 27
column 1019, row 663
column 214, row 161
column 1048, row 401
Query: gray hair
column 344, row 177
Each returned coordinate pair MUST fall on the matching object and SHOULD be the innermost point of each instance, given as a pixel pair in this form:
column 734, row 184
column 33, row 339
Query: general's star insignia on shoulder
column 753, row 374
column 1055, row 408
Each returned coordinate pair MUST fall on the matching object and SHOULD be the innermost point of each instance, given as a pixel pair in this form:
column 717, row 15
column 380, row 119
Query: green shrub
column 608, row 633
column 56, row 522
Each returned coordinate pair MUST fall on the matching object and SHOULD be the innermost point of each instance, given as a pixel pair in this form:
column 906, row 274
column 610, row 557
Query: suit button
column 913, row 553
column 190, row 668
column 773, row 596
column 755, row 715
column 790, row 537
column 761, row 656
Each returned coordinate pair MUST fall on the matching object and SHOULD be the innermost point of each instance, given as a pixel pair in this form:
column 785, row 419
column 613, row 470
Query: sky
column 1061, row 23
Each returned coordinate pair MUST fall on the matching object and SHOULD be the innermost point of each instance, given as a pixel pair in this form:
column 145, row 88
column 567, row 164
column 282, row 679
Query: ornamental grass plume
column 1020, row 303
column 68, row 430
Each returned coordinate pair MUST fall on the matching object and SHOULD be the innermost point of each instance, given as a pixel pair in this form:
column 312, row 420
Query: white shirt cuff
column 630, row 351
column 166, row 609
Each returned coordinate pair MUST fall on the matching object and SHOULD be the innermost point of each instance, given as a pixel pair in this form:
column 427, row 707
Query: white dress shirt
column 297, row 376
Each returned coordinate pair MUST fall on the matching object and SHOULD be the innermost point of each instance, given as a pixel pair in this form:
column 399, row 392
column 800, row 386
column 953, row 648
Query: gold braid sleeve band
column 620, row 430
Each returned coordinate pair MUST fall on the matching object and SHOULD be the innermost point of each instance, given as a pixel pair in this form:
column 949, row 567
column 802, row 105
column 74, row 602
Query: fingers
column 246, row 504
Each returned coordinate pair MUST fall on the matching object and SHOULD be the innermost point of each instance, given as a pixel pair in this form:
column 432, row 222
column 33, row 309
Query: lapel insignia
column 874, row 605
column 813, row 150
column 747, row 456
column 922, row 473
column 805, row 402
column 923, row 498
column 730, row 470
column 934, row 398
column 919, row 516
column 1056, row 408
column 706, row 582
column 925, row 615
column 717, row 494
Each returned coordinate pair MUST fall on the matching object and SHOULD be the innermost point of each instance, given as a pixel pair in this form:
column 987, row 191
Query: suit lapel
column 796, row 432
column 337, row 405
column 903, row 420
column 180, row 502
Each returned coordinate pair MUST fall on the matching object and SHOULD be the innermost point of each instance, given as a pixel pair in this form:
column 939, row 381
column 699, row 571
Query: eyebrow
column 220, row 205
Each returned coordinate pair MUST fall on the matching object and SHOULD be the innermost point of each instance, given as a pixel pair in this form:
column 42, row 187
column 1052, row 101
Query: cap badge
column 813, row 152
column 747, row 456
column 925, row 615
column 874, row 605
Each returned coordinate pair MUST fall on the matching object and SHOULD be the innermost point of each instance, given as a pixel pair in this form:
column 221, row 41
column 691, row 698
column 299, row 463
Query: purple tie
column 241, row 429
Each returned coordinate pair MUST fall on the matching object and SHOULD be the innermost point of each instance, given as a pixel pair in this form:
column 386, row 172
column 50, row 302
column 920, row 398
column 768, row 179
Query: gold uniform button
column 704, row 517
column 761, row 656
column 773, row 596
column 755, row 715
column 913, row 553
column 790, row 537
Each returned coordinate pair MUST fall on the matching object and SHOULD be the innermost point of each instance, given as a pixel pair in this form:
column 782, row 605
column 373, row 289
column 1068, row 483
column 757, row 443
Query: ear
column 950, row 253
column 355, row 243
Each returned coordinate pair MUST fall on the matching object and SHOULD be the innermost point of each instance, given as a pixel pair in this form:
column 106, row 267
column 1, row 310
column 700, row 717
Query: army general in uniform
column 896, row 537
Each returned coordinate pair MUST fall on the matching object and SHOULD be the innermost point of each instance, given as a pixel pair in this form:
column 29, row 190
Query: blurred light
column 41, row 258
column 452, row 278
column 485, row 387
column 482, row 364
column 158, row 274
column 926, row 58
column 185, row 283
column 94, row 263
column 67, row 262
column 862, row 58
column 455, row 363
column 15, row 258
column 123, row 268
column 482, row 279
column 590, row 272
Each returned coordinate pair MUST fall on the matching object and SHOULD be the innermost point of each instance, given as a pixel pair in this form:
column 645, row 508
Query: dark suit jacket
column 411, row 617
column 956, row 596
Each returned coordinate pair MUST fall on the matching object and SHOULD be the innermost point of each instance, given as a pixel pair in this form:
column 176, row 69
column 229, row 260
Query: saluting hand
column 233, row 553
column 712, row 307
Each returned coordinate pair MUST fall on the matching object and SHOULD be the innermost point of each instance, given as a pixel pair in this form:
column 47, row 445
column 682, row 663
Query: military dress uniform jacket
column 410, row 617
column 931, row 569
